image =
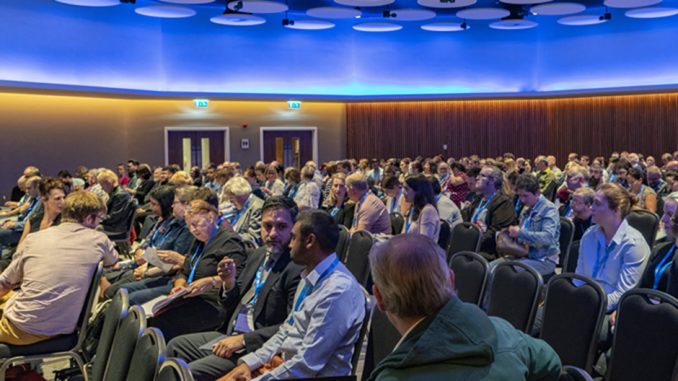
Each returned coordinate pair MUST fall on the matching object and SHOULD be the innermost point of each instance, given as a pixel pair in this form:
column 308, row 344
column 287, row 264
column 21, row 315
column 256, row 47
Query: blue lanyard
column 519, row 207
column 442, row 179
column 308, row 289
column 30, row 207
column 408, row 222
column 568, row 209
column 360, row 203
column 235, row 219
column 293, row 191
column 482, row 207
column 258, row 281
column 600, row 261
column 334, row 211
column 395, row 201
column 195, row 259
column 152, row 242
column 438, row 198
column 527, row 221
column 661, row 267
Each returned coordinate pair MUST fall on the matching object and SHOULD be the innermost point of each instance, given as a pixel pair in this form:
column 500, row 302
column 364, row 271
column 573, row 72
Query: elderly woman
column 423, row 217
column 539, row 228
column 199, row 309
column 662, row 269
column 245, row 218
column 52, row 196
column 308, row 195
column 169, row 236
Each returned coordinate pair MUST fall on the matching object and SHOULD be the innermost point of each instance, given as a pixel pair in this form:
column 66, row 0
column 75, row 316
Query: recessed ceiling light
column 513, row 24
column 483, row 13
column 557, row 9
column 524, row 2
column 446, row 3
column 257, row 6
column 364, row 3
column 236, row 19
column 412, row 14
column 377, row 27
column 582, row 20
column 90, row 3
column 630, row 3
column 651, row 13
column 188, row 2
column 310, row 25
column 333, row 13
column 165, row 11
column 445, row 27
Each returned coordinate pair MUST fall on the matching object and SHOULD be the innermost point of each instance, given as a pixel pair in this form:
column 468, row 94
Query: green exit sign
column 294, row 105
column 201, row 103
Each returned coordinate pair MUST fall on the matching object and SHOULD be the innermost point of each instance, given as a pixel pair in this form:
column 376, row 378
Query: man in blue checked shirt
column 319, row 336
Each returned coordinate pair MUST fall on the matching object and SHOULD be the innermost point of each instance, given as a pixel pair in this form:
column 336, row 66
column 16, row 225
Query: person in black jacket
column 257, row 301
column 118, row 205
column 492, row 211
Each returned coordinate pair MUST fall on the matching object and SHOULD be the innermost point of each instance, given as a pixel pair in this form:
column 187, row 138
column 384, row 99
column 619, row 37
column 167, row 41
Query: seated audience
column 169, row 236
column 319, row 335
column 52, row 274
column 576, row 177
column 547, row 181
column 292, row 179
column 447, row 209
column 12, row 229
column 246, row 218
column 308, row 195
column 442, row 337
column 491, row 211
column 199, row 310
column 370, row 213
column 394, row 194
column 52, row 195
column 273, row 185
column 655, row 181
column 257, row 299
column 647, row 198
column 118, row 202
column 582, row 203
column 459, row 185
column 339, row 206
column 422, row 218
column 612, row 252
column 662, row 268
column 539, row 227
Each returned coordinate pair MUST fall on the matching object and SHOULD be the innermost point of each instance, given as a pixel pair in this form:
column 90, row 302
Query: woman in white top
column 273, row 185
column 308, row 194
column 423, row 217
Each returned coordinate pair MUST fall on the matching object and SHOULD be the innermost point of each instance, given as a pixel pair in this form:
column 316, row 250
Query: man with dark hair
column 257, row 301
column 442, row 337
column 319, row 335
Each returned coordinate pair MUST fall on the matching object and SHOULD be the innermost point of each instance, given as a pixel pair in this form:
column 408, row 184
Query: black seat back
column 570, row 261
column 471, row 271
column 465, row 237
column 646, row 223
column 573, row 315
column 397, row 222
column 646, row 332
column 174, row 369
column 514, row 294
column 363, row 332
column 130, row 329
column 357, row 257
column 115, row 312
column 148, row 354
column 342, row 244
column 565, row 240
column 445, row 235
column 381, row 339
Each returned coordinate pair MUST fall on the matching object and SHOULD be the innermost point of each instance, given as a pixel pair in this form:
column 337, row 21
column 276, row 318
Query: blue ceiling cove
column 46, row 44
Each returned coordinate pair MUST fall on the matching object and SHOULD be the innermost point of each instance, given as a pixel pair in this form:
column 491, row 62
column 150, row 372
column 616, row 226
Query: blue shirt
column 320, row 340
column 617, row 266
column 540, row 231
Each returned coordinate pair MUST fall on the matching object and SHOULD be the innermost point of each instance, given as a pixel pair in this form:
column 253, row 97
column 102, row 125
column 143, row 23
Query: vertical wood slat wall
column 527, row 127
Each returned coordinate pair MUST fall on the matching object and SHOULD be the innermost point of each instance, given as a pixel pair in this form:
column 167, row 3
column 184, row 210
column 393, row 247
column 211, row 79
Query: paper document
column 155, row 306
column 150, row 255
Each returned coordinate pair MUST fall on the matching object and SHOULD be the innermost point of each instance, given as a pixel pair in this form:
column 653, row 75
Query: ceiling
column 49, row 45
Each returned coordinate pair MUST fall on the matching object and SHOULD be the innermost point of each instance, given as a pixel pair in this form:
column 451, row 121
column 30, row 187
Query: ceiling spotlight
column 128, row 1
column 606, row 16
column 287, row 22
column 447, row 1
column 237, row 6
column 463, row 25
column 387, row 14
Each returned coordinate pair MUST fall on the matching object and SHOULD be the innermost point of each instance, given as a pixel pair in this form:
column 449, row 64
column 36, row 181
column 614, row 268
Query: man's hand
column 513, row 231
column 169, row 256
column 226, row 271
column 200, row 287
column 240, row 373
column 227, row 346
column 140, row 271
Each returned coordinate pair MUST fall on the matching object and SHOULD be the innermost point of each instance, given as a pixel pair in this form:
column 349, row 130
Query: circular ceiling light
column 165, row 11
column 90, row 3
column 333, row 13
column 483, row 13
column 377, row 27
column 524, row 2
column 446, row 3
column 310, row 25
column 557, row 9
column 582, row 20
column 364, row 3
column 444, row 27
column 651, row 13
column 257, row 6
column 630, row 3
column 188, row 2
column 412, row 14
column 236, row 19
column 513, row 24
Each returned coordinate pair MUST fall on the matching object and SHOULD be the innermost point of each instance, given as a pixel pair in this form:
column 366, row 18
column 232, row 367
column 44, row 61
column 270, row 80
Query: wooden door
column 189, row 148
column 291, row 148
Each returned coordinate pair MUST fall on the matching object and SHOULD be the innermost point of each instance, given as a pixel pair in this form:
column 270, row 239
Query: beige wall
column 58, row 131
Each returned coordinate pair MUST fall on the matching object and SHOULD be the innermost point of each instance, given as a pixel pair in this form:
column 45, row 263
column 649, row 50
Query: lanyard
column 360, row 203
column 661, row 267
column 293, row 191
column 242, row 210
column 601, row 261
column 258, row 281
column 195, row 259
column 308, row 289
column 438, row 198
column 395, row 201
column 568, row 210
column 482, row 207
column 30, row 206
column 334, row 211
column 519, row 206
column 526, row 224
column 408, row 222
column 442, row 179
column 152, row 242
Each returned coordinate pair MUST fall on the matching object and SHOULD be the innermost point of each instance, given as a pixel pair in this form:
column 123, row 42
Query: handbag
column 507, row 246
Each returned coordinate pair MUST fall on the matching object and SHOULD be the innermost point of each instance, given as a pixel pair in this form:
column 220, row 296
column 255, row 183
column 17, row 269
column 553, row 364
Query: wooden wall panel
column 592, row 125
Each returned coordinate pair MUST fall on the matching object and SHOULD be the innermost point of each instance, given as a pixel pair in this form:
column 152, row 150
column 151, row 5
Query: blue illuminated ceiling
column 46, row 44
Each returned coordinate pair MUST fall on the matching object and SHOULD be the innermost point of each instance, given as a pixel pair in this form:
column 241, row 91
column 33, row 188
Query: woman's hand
column 170, row 256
